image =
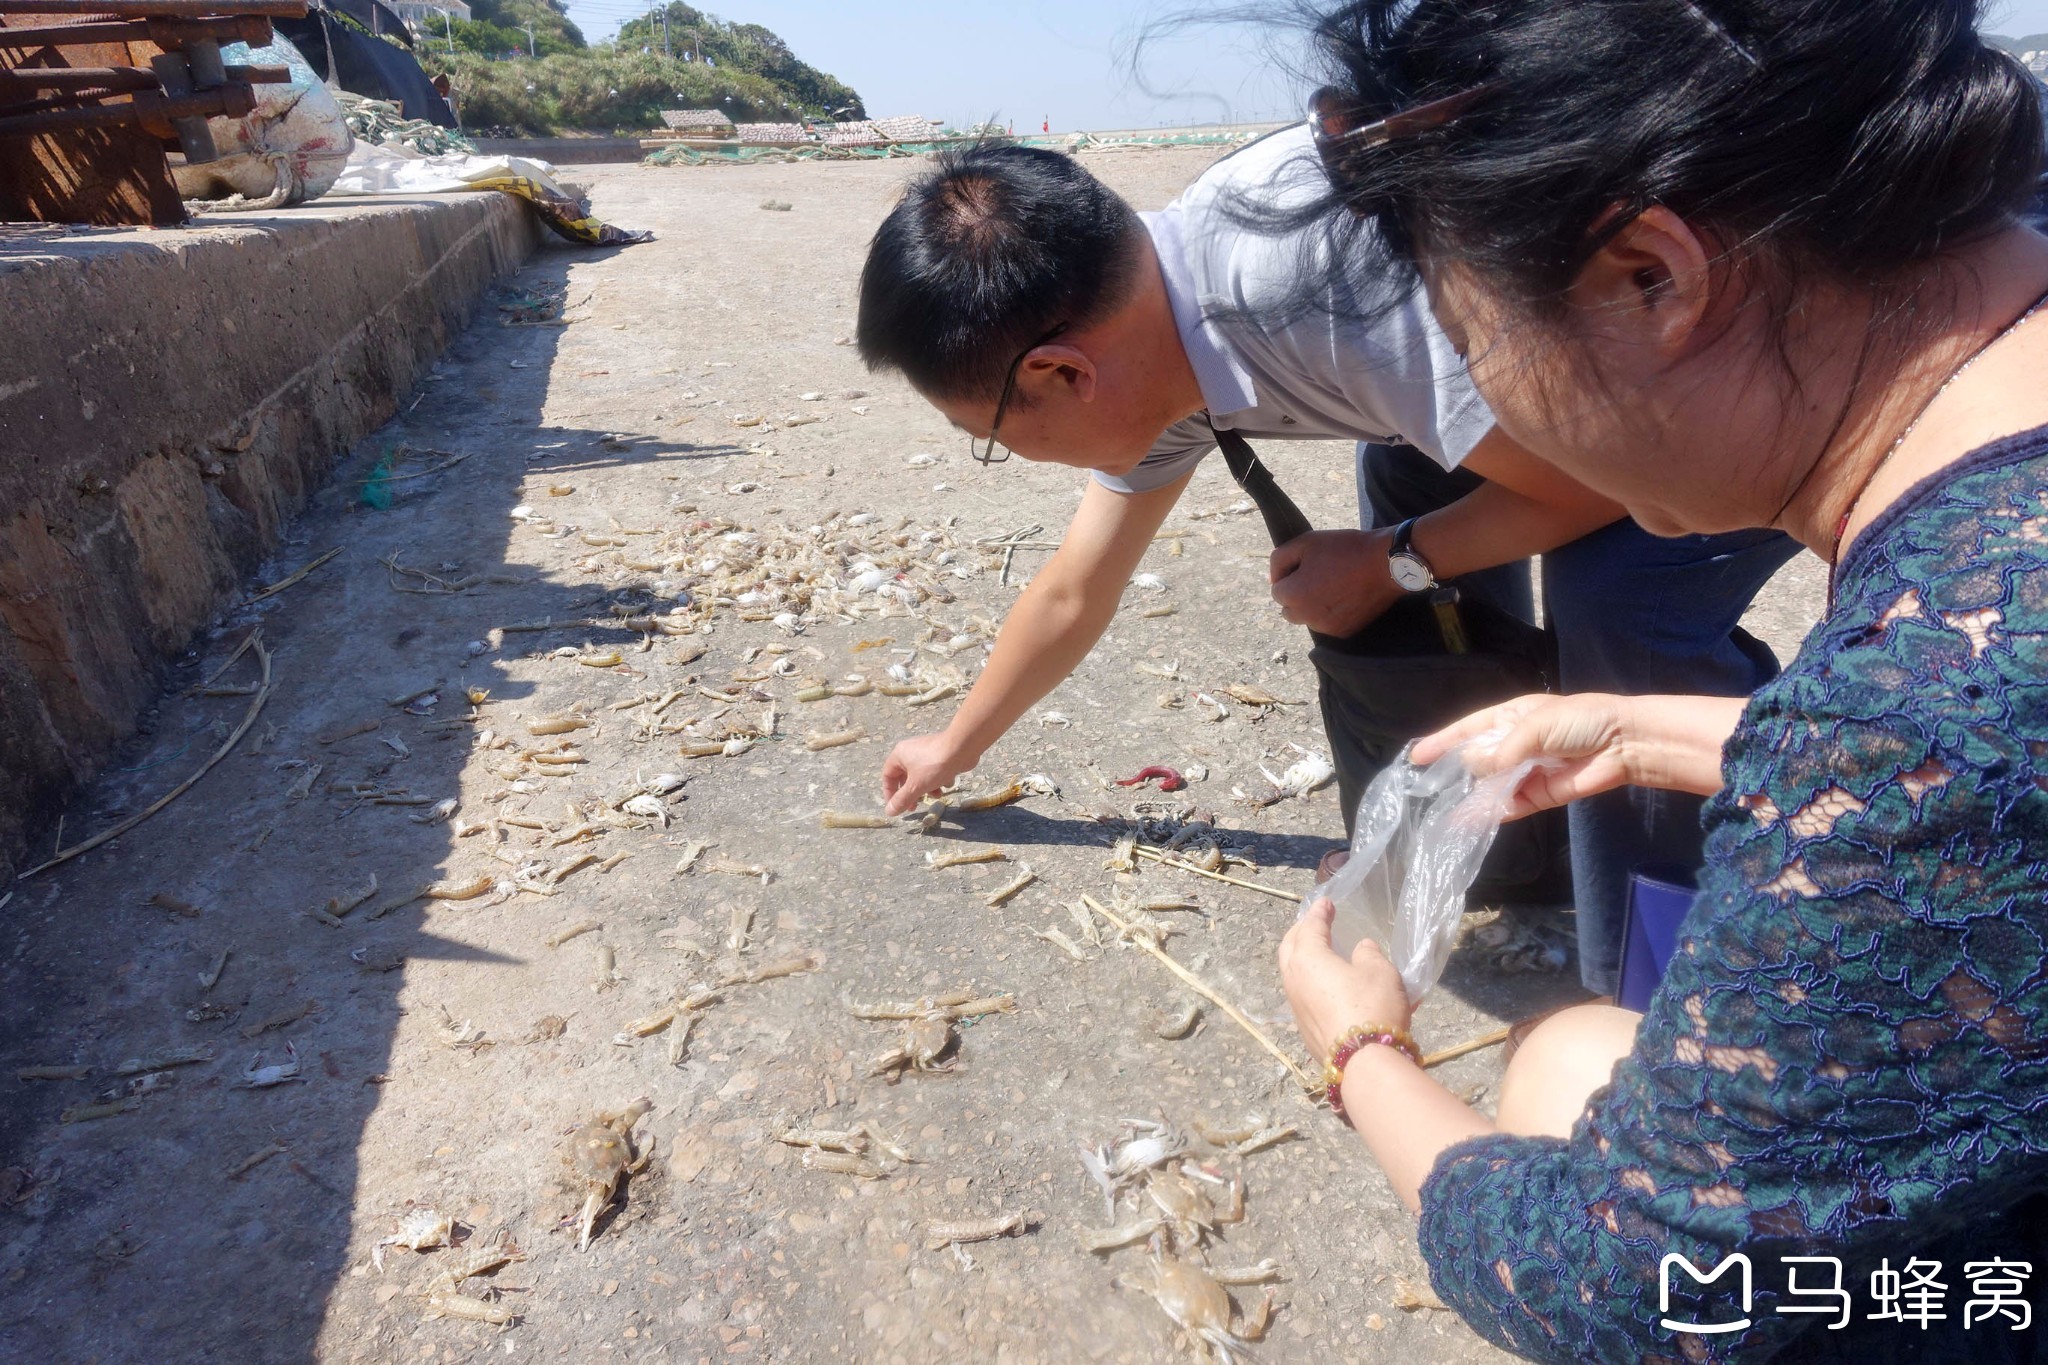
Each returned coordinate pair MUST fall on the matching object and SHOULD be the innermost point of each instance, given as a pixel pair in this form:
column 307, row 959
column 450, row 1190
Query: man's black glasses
column 986, row 454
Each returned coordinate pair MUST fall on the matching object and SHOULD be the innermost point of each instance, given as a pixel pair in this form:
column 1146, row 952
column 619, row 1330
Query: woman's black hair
column 991, row 249
column 1846, row 140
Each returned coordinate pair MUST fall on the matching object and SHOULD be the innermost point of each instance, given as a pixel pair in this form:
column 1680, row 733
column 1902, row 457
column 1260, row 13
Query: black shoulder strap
column 1284, row 521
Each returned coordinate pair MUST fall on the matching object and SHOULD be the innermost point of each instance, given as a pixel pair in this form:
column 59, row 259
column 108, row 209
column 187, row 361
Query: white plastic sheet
column 1420, row 838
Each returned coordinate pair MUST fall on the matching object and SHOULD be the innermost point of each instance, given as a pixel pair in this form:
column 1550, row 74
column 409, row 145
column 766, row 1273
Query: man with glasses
column 1038, row 313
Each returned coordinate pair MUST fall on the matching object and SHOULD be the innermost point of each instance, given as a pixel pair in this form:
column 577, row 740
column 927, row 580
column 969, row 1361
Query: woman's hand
column 921, row 766
column 1331, row 996
column 1590, row 742
column 1335, row 582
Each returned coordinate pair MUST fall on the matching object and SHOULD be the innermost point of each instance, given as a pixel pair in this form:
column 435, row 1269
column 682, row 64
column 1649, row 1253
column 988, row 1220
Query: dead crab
column 1185, row 1208
column 601, row 1153
column 928, row 1034
column 925, row 1042
column 1200, row 1306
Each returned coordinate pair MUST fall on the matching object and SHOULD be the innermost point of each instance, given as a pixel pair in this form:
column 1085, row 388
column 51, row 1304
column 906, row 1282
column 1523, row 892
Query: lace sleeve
column 1846, row 1056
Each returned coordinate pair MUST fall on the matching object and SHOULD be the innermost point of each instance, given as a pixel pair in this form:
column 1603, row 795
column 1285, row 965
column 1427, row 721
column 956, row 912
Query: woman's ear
column 1056, row 369
column 1653, row 280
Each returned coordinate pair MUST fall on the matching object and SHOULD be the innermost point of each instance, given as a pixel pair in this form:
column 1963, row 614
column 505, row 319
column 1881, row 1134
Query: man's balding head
column 986, row 253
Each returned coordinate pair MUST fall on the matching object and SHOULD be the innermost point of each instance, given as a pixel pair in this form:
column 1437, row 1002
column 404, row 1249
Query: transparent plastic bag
column 1421, row 835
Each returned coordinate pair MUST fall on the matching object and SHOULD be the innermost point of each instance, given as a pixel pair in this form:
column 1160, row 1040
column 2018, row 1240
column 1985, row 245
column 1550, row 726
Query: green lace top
column 1849, row 1055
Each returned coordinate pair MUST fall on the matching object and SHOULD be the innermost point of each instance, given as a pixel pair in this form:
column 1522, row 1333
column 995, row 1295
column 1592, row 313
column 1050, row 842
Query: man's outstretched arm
column 1058, row 618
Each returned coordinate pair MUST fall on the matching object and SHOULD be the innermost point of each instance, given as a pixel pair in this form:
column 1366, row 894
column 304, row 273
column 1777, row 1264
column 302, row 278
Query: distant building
column 697, row 122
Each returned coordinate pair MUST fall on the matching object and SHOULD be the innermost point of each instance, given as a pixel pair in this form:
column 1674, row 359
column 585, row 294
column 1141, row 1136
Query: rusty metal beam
column 153, row 114
column 165, row 33
column 144, row 9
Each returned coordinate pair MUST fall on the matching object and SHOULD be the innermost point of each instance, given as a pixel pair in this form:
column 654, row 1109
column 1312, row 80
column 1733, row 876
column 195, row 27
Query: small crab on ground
column 1198, row 1303
column 1188, row 1212
column 926, row 1042
column 928, row 1034
column 601, row 1153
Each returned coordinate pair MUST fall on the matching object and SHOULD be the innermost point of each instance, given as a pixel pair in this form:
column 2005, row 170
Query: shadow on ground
column 202, row 1219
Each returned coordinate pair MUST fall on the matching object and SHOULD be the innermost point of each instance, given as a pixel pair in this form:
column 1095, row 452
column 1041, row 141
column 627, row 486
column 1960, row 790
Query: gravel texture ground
column 445, row 1051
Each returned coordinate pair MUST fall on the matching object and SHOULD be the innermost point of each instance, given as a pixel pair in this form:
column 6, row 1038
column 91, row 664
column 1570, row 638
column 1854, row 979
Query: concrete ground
column 445, row 1050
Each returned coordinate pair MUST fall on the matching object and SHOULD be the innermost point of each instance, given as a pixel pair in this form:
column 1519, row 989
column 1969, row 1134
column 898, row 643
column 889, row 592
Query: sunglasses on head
column 1334, row 123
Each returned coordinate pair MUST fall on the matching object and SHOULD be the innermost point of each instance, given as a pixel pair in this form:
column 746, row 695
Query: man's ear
column 1053, row 370
column 1653, row 279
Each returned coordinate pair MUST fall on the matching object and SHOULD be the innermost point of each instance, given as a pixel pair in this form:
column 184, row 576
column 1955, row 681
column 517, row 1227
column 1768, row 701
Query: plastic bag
column 1421, row 835
column 285, row 151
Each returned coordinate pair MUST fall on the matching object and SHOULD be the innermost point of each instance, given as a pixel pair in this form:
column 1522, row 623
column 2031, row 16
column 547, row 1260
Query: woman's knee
column 1560, row 1064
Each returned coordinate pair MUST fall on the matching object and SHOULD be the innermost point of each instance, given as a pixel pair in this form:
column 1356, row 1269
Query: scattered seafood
column 104, row 1109
column 1063, row 943
column 1311, row 772
column 768, row 971
column 841, row 1163
column 279, row 1020
column 419, row 1229
column 602, row 1153
column 978, row 1230
column 470, row 1309
column 178, row 1054
column 436, row 813
column 980, row 855
column 254, row 1159
column 171, row 903
column 1002, row 796
column 1198, row 1304
column 1179, row 1025
column 816, row 742
column 852, row 1141
column 261, row 1077
column 586, row 926
column 1169, row 779
column 494, row 1254
column 925, row 1042
column 1024, row 878
column 53, row 1073
column 834, row 819
column 463, row 1036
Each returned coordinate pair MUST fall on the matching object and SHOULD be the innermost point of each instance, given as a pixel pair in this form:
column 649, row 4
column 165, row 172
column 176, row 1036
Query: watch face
column 1411, row 573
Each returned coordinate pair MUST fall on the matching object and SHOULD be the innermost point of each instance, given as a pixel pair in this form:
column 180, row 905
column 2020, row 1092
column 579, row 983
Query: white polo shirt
column 1318, row 376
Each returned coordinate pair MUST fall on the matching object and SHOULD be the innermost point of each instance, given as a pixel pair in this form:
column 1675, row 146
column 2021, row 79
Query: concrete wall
column 168, row 400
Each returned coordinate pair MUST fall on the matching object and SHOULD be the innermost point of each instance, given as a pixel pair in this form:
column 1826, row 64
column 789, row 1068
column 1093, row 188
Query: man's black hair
column 987, row 252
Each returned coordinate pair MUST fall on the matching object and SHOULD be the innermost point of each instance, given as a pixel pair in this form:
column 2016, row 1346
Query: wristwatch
column 1406, row 563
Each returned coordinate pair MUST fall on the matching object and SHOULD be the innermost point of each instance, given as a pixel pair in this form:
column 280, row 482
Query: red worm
column 1169, row 780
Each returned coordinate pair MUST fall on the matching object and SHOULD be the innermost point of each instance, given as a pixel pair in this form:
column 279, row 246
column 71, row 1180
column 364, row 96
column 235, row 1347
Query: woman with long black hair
column 1749, row 263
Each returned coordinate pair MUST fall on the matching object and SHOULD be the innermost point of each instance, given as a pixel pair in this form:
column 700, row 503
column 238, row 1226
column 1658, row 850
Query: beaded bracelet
column 1365, row 1035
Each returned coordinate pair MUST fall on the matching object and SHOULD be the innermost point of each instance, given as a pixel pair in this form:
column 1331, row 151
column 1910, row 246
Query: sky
column 1069, row 61
column 1081, row 64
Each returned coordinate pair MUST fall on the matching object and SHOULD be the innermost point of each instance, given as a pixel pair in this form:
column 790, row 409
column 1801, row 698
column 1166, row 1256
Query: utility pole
column 529, row 40
column 664, row 34
column 449, row 20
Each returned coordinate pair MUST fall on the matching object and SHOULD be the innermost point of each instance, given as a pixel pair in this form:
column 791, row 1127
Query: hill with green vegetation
column 2033, row 42
column 742, row 47
column 620, row 87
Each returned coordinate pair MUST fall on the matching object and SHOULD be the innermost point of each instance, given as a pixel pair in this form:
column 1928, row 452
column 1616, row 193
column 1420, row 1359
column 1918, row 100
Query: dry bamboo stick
column 284, row 583
column 1466, row 1049
column 1157, row 856
column 255, row 641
